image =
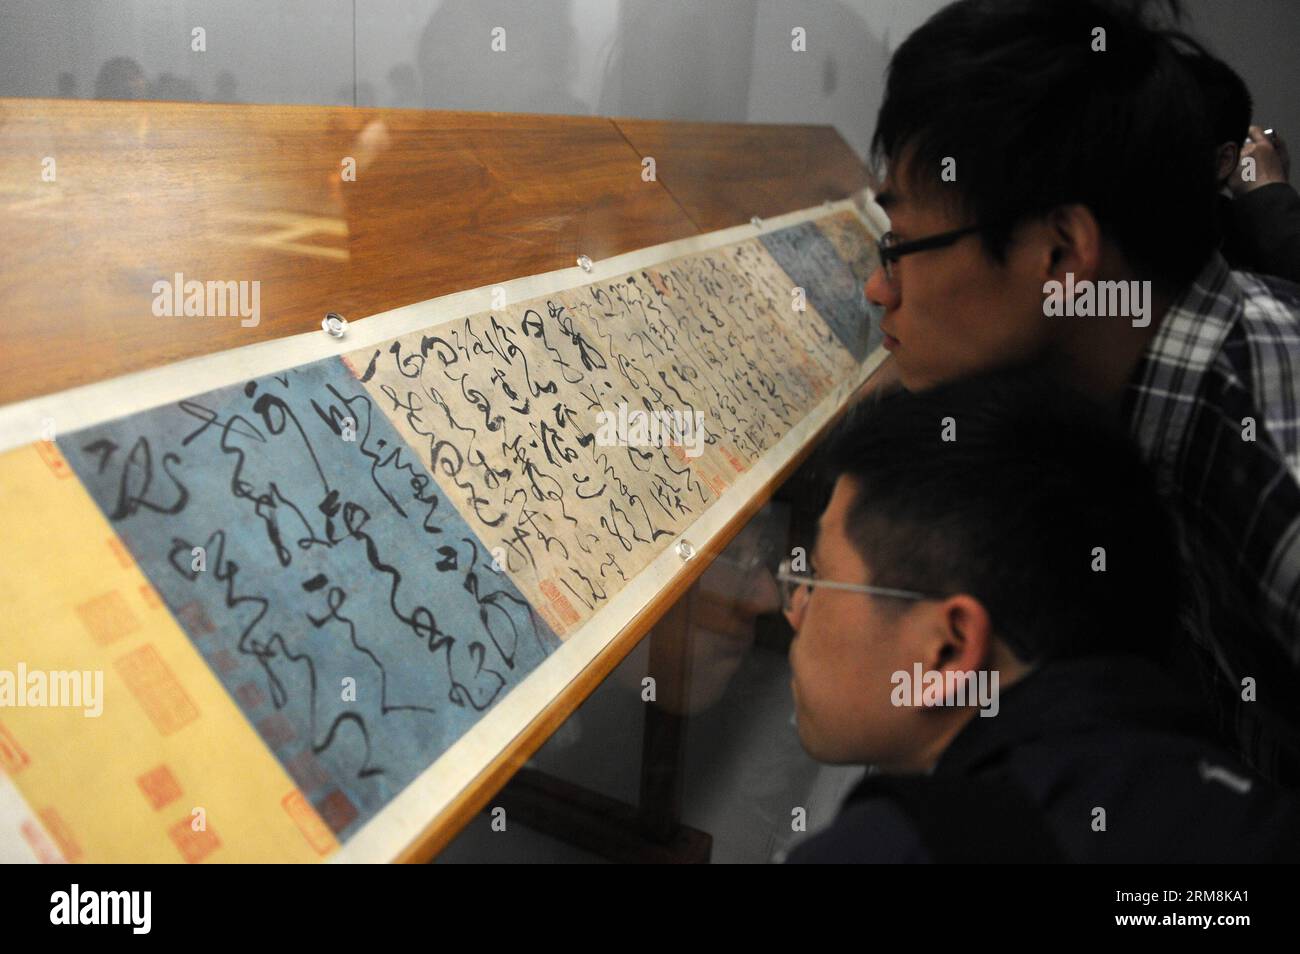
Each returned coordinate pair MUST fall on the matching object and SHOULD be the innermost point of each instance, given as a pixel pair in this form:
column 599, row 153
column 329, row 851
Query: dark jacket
column 1261, row 231
column 1071, row 738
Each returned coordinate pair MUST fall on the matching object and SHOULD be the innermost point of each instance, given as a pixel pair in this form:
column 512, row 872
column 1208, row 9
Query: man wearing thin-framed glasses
column 955, row 631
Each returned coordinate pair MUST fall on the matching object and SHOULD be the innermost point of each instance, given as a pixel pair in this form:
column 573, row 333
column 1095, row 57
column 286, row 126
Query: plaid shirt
column 1227, row 354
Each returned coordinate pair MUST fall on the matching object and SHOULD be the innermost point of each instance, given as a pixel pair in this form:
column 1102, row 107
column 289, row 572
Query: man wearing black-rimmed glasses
column 1030, row 143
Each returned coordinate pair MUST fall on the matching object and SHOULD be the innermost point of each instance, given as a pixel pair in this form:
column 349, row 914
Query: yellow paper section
column 123, row 786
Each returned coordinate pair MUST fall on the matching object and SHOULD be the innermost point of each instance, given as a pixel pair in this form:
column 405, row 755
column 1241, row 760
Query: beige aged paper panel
column 506, row 408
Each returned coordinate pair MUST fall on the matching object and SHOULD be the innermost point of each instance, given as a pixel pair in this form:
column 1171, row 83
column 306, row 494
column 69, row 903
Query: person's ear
column 962, row 635
column 1226, row 162
column 1071, row 243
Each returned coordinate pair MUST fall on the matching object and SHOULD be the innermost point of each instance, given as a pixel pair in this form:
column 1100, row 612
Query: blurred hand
column 1272, row 162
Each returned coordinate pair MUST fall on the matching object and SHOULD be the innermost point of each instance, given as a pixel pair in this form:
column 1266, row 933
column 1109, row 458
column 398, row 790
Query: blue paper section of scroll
column 343, row 602
column 808, row 257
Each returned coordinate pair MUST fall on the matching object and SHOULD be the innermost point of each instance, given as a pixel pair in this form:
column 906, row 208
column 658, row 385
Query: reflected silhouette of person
column 121, row 78
column 226, row 88
column 461, row 70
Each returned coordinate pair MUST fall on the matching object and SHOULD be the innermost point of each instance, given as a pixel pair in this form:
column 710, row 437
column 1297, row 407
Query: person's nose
column 881, row 291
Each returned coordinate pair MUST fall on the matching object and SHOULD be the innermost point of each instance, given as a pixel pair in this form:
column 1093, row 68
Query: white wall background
column 719, row 60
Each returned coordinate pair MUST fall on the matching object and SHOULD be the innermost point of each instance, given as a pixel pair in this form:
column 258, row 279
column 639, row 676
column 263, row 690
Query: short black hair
column 1010, row 511
column 1013, row 91
column 1227, row 99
